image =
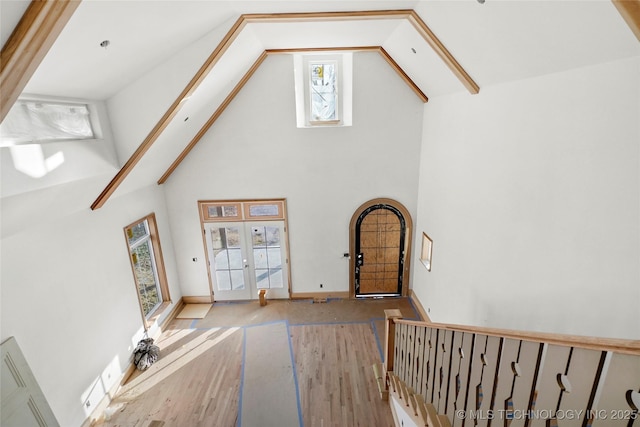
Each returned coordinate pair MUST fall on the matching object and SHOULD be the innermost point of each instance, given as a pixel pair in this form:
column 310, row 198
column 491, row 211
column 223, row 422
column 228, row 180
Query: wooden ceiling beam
column 398, row 69
column 39, row 27
column 233, row 33
column 223, row 106
column 414, row 87
column 195, row 82
column 630, row 11
column 443, row 53
column 250, row 73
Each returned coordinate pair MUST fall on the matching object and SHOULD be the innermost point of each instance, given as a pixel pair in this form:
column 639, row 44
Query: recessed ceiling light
column 105, row 43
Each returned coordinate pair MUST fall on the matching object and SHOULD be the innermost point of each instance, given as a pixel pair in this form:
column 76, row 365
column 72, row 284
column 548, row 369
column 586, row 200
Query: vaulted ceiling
column 437, row 47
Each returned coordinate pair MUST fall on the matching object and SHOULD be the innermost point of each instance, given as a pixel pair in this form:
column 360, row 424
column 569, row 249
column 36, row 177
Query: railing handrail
column 624, row 346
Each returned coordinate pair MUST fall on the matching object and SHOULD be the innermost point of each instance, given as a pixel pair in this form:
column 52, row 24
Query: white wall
column 530, row 191
column 255, row 150
column 138, row 107
column 28, row 167
column 69, row 298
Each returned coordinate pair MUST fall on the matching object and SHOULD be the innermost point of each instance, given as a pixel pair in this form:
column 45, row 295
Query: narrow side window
column 147, row 265
column 427, row 251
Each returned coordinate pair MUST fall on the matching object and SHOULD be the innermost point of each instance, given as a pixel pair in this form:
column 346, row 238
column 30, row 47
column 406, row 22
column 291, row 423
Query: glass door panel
column 228, row 262
column 236, row 276
column 268, row 255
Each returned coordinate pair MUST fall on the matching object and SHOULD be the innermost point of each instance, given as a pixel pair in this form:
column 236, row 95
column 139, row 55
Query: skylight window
column 34, row 122
column 323, row 88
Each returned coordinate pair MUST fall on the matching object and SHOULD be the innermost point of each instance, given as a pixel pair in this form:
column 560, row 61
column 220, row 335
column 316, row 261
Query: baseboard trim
column 418, row 305
column 177, row 308
column 197, row 299
column 97, row 416
column 321, row 295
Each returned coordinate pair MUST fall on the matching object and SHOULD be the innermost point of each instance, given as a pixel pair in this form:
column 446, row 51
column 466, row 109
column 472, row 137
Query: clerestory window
column 323, row 91
column 323, row 85
column 36, row 121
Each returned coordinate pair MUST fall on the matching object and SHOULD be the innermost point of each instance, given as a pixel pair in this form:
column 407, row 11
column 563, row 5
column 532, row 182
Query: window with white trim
column 35, row 120
column 323, row 87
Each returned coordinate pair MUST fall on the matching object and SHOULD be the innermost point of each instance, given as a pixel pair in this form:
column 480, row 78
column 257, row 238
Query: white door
column 269, row 258
column 23, row 403
column 245, row 257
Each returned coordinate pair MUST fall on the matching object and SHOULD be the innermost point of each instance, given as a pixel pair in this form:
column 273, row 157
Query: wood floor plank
column 337, row 384
column 197, row 380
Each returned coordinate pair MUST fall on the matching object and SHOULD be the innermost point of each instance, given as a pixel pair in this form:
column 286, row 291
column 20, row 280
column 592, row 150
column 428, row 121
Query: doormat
column 194, row 311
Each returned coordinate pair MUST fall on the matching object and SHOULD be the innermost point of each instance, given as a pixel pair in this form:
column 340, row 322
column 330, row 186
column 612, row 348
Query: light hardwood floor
column 197, row 380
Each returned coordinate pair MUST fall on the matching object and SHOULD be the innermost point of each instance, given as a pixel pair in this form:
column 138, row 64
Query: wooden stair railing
column 483, row 377
column 409, row 408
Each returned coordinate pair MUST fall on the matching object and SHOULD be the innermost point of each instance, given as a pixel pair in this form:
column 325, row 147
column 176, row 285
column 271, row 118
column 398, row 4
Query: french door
column 245, row 257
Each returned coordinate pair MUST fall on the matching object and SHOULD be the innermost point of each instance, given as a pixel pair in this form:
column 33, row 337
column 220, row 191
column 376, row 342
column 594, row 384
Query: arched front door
column 380, row 245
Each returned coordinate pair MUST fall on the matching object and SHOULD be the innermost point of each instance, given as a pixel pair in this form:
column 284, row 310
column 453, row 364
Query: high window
column 145, row 255
column 426, row 251
column 35, row 121
column 323, row 91
column 323, row 85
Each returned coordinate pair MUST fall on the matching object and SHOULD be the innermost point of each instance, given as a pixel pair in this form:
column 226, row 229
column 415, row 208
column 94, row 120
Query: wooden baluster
column 420, row 360
column 414, row 403
column 390, row 337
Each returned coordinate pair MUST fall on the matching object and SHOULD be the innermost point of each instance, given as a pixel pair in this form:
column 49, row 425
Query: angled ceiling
column 437, row 47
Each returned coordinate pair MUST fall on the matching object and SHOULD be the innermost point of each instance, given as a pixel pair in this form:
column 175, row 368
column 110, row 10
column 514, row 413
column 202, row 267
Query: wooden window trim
column 160, row 270
column 243, row 217
column 407, row 242
column 243, row 207
column 324, row 122
column 249, row 205
column 204, row 209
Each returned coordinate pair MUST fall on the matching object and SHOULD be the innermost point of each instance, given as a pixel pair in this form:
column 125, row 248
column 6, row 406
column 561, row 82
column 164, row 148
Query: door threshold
column 378, row 296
